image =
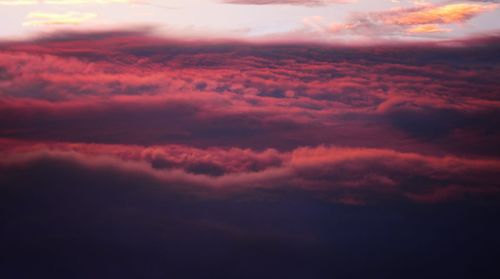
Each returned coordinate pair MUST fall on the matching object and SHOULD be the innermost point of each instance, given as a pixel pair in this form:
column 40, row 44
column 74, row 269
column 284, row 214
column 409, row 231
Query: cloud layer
column 129, row 155
column 62, row 218
column 407, row 122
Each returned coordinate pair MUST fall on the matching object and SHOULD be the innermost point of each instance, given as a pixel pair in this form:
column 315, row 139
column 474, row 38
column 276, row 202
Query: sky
column 302, row 20
column 249, row 139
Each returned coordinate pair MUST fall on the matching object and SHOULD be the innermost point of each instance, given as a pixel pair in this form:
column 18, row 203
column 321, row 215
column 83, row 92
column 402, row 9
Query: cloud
column 275, row 102
column 18, row 2
column 60, row 2
column 363, row 175
column 288, row 2
column 445, row 14
column 427, row 28
column 357, row 124
column 71, row 2
column 68, row 18
column 116, row 221
column 131, row 155
column 420, row 19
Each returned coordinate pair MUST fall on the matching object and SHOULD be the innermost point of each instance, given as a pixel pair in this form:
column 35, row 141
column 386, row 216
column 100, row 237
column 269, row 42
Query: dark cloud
column 146, row 90
column 63, row 219
column 132, row 156
column 344, row 175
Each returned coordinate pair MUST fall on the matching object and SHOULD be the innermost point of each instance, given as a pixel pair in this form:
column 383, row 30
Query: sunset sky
column 308, row 20
column 249, row 139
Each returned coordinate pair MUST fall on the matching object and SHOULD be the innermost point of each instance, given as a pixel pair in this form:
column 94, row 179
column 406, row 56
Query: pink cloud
column 355, row 124
column 342, row 174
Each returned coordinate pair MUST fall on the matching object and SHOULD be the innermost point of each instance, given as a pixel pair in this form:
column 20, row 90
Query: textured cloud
column 131, row 155
column 450, row 13
column 345, row 175
column 65, row 216
column 421, row 19
column 230, row 94
column 356, row 124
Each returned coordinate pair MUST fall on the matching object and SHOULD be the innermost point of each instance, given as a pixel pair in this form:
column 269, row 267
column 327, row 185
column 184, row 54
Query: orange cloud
column 420, row 19
column 426, row 28
column 452, row 13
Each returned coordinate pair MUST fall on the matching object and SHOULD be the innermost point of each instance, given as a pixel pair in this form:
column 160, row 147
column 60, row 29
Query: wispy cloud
column 288, row 2
column 427, row 28
column 60, row 2
column 18, row 2
column 451, row 13
column 68, row 18
column 421, row 19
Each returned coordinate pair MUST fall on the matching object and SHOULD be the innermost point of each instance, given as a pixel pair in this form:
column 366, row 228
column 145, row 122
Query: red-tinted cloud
column 412, row 122
column 339, row 174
